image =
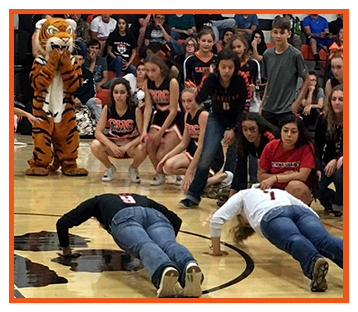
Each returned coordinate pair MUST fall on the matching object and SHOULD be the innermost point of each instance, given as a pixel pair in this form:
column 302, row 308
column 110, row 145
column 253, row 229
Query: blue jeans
column 148, row 235
column 213, row 134
column 299, row 232
column 231, row 154
column 327, row 196
column 117, row 65
column 96, row 108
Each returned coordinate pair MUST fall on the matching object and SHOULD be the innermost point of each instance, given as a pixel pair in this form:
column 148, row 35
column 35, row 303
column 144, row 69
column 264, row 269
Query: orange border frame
column 345, row 298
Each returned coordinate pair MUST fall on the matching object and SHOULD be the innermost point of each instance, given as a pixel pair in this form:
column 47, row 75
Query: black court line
column 249, row 261
column 248, row 270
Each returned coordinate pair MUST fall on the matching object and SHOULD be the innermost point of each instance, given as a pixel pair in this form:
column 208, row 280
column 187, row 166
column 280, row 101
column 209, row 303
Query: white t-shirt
column 252, row 204
column 103, row 29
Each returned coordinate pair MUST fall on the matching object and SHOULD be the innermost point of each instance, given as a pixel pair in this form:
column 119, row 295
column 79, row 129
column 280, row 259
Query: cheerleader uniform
column 161, row 102
column 121, row 129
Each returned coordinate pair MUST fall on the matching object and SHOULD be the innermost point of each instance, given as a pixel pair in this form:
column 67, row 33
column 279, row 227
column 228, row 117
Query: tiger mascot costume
column 55, row 76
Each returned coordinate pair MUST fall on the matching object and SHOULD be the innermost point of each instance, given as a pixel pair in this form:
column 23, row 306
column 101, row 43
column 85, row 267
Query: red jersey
column 275, row 160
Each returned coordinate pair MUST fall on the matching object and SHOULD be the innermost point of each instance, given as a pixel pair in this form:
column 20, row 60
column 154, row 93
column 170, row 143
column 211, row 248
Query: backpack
column 86, row 123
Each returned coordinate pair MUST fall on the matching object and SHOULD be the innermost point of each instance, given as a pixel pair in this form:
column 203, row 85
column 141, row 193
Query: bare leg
column 101, row 152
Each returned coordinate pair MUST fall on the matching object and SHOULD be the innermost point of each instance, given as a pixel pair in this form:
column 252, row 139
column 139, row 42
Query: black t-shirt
column 155, row 34
column 227, row 103
column 204, row 20
column 122, row 45
column 104, row 207
column 329, row 145
column 195, row 68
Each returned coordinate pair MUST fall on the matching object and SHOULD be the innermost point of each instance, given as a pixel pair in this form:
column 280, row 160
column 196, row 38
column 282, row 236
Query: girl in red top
column 289, row 163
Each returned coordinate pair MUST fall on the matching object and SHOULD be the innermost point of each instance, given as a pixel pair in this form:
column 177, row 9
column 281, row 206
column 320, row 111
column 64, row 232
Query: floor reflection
column 99, row 260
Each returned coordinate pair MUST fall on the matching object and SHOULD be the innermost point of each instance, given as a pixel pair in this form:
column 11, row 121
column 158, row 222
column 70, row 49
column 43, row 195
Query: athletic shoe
column 193, row 278
column 228, row 179
column 109, row 173
column 320, row 270
column 179, row 179
column 187, row 203
column 158, row 179
column 166, row 287
column 134, row 174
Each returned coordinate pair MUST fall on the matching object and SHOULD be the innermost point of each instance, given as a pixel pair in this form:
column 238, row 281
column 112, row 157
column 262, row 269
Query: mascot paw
column 37, row 171
column 75, row 172
column 53, row 168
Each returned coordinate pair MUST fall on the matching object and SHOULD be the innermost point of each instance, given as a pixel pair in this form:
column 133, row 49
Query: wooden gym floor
column 256, row 269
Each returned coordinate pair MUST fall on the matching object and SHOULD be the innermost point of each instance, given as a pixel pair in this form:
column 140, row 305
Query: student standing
column 228, row 91
column 282, row 65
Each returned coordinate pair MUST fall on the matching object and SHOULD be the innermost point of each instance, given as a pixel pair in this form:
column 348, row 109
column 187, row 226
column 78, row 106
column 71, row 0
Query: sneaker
column 228, row 179
column 109, row 173
column 193, row 278
column 187, row 203
column 320, row 271
column 166, row 287
column 179, row 179
column 158, row 179
column 134, row 174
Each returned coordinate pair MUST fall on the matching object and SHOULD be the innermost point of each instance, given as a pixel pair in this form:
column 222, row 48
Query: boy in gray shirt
column 282, row 65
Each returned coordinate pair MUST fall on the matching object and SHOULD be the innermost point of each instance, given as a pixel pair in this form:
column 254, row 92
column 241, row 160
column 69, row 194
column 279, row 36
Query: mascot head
column 55, row 33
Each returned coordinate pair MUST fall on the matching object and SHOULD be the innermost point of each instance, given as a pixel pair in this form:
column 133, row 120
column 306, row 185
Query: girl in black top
column 166, row 130
column 253, row 134
column 200, row 64
column 184, row 158
column 228, row 92
column 258, row 45
column 121, row 48
column 329, row 142
column 117, row 134
column 144, row 229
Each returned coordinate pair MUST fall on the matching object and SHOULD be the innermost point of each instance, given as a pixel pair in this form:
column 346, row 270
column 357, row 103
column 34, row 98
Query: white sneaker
column 169, row 278
column 109, row 173
column 158, row 179
column 227, row 181
column 179, row 179
column 193, row 277
column 134, row 174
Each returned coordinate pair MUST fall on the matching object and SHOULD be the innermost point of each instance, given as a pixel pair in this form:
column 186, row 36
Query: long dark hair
column 304, row 137
column 115, row 82
column 226, row 54
column 316, row 89
column 263, row 126
column 261, row 47
column 126, row 20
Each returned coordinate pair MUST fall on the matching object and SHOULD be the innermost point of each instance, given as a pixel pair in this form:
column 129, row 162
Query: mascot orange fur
column 55, row 76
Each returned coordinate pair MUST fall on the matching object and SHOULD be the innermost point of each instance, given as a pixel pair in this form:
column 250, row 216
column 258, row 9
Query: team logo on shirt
column 121, row 126
column 280, row 164
column 202, row 69
column 160, row 96
column 193, row 131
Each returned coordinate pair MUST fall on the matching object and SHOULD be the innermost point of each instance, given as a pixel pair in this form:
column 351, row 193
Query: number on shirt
column 272, row 194
column 127, row 198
